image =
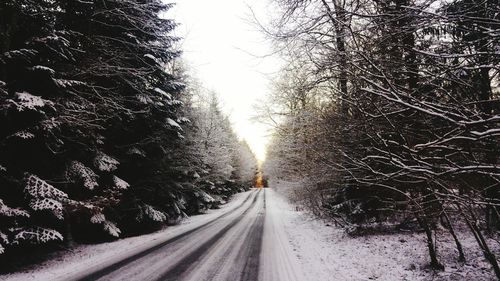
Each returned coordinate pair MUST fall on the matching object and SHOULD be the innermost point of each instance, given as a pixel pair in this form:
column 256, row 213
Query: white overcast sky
column 223, row 50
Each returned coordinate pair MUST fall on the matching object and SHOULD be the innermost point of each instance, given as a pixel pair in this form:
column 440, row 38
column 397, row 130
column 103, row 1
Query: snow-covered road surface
column 228, row 246
column 259, row 236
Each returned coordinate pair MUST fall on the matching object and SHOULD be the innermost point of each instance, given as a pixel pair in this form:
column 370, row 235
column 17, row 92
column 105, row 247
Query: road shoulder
column 325, row 252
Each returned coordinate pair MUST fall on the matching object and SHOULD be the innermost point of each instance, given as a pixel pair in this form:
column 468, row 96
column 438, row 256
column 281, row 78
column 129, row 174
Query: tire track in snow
column 236, row 256
column 189, row 261
column 251, row 270
column 278, row 262
column 103, row 271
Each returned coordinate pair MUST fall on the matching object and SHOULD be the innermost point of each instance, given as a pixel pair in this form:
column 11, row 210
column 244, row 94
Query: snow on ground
column 278, row 260
column 326, row 252
column 86, row 256
column 295, row 247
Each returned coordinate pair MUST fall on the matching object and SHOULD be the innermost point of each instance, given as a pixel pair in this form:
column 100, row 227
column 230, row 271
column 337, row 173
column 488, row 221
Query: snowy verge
column 84, row 257
column 326, row 252
column 278, row 261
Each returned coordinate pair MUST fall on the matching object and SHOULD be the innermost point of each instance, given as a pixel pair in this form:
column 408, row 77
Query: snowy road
column 257, row 236
column 230, row 246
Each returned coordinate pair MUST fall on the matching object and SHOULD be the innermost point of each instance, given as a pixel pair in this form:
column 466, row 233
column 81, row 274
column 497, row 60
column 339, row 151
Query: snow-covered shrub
column 43, row 69
column 21, row 55
column 149, row 212
column 65, row 83
column 144, row 99
column 119, row 183
column 98, row 218
column 49, row 124
column 80, row 174
column 173, row 124
column 108, row 226
column 47, row 204
column 205, row 197
column 37, row 235
column 38, row 188
column 105, row 163
column 136, row 151
column 4, row 241
column 7, row 211
column 163, row 93
column 24, row 135
column 111, row 228
column 44, row 197
column 26, row 101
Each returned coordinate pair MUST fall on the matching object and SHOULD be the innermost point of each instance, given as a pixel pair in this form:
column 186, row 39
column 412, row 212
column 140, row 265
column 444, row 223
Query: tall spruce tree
column 84, row 89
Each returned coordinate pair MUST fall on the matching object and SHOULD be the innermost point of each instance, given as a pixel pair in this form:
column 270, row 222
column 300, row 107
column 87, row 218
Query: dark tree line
column 99, row 137
column 390, row 111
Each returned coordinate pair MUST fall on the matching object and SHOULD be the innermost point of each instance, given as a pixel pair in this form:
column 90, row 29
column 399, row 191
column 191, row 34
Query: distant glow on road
column 217, row 42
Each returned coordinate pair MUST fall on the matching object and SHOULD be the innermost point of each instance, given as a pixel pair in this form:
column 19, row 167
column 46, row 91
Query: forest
column 385, row 114
column 388, row 114
column 103, row 134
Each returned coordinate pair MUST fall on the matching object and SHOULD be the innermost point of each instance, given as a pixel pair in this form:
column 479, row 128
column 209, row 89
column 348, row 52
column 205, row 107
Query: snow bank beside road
column 326, row 252
column 278, row 260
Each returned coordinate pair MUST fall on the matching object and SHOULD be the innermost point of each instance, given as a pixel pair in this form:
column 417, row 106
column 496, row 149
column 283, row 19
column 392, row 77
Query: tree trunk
column 461, row 255
column 435, row 264
column 69, row 242
column 490, row 257
column 339, row 21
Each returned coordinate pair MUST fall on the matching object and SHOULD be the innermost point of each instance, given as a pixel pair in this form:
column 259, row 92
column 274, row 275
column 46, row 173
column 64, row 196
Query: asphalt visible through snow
column 228, row 247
